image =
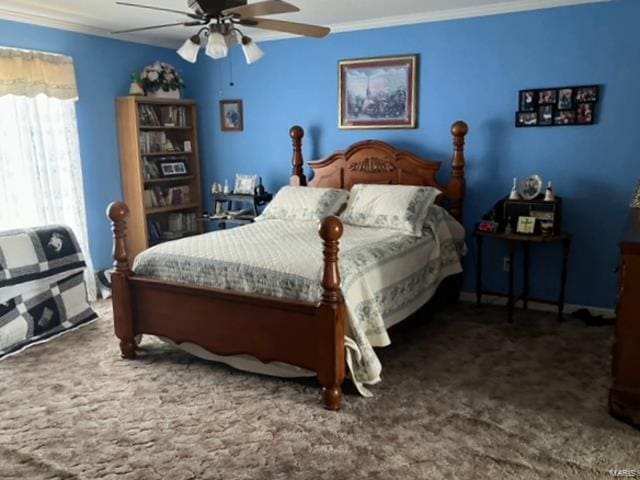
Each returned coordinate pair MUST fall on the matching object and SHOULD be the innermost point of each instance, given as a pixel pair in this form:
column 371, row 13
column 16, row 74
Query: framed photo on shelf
column 173, row 168
column 231, row 116
column 378, row 93
column 246, row 184
column 526, row 225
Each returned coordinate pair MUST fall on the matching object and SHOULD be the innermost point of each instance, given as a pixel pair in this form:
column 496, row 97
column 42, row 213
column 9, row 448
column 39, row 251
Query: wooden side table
column 227, row 199
column 514, row 240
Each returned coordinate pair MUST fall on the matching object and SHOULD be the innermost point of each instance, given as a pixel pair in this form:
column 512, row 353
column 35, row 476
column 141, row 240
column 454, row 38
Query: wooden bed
column 307, row 335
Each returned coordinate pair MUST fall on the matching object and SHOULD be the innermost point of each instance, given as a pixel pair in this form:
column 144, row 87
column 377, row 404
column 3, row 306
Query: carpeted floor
column 464, row 395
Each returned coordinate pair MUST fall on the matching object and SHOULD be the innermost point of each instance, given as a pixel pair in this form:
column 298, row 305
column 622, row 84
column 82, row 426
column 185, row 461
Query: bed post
column 457, row 184
column 333, row 313
column 298, row 178
column 121, row 294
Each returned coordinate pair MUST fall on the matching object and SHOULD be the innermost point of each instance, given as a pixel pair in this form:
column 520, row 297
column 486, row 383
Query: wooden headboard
column 372, row 161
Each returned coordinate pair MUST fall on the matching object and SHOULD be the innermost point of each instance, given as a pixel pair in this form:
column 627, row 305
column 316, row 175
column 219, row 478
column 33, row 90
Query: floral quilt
column 386, row 275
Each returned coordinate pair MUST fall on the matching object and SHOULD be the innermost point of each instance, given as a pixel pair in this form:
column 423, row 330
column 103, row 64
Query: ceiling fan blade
column 161, row 9
column 141, row 29
column 269, row 7
column 287, row 27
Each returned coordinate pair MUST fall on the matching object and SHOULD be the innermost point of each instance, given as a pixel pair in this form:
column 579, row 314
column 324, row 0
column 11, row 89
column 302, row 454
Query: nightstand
column 228, row 200
column 514, row 240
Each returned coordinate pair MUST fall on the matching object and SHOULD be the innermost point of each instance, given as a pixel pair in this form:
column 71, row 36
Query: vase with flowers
column 161, row 80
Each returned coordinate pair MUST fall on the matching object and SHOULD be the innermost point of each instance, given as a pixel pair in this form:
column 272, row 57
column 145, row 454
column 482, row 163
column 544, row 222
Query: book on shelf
column 148, row 116
column 167, row 196
column 162, row 116
column 172, row 116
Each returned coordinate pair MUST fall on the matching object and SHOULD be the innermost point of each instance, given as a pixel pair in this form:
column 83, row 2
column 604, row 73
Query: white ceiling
column 99, row 17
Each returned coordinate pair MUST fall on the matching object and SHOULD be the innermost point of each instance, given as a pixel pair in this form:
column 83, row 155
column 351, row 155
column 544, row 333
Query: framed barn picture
column 378, row 93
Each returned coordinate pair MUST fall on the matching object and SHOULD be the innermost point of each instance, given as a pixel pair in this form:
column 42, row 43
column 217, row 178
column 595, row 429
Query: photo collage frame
column 557, row 107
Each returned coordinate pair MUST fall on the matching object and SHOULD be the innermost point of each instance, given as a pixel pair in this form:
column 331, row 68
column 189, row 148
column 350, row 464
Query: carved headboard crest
column 372, row 165
column 372, row 161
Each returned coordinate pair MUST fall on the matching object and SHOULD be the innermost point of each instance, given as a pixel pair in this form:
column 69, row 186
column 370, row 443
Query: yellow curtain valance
column 29, row 73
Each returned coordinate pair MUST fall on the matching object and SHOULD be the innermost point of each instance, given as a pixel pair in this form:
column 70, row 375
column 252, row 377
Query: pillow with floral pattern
column 305, row 203
column 397, row 207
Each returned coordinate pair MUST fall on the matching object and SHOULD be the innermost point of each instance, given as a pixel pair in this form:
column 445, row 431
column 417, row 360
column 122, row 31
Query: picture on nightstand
column 526, row 225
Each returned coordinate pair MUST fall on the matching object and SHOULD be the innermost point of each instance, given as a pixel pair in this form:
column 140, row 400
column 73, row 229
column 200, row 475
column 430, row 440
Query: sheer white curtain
column 40, row 168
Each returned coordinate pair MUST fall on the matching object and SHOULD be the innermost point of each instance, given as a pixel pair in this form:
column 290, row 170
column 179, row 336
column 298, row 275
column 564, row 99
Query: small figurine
column 508, row 229
column 549, row 196
column 226, row 190
column 514, row 195
column 215, row 188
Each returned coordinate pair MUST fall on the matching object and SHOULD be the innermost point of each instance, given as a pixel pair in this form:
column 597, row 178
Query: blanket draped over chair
column 42, row 291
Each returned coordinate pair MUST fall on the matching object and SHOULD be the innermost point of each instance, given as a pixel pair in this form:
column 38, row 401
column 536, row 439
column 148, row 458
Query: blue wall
column 472, row 70
column 103, row 67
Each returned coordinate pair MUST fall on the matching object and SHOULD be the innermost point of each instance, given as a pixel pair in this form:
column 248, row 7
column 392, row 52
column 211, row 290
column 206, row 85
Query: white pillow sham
column 305, row 203
column 397, row 207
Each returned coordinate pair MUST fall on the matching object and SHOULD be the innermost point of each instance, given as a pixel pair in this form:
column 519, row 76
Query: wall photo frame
column 378, row 93
column 558, row 106
column 231, row 116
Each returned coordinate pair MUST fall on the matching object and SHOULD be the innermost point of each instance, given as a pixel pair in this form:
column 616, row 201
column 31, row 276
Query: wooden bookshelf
column 136, row 125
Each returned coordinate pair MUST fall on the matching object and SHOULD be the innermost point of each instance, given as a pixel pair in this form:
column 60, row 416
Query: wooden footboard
column 308, row 335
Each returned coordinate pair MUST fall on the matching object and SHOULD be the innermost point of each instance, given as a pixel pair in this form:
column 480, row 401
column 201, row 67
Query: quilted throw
column 42, row 291
column 386, row 275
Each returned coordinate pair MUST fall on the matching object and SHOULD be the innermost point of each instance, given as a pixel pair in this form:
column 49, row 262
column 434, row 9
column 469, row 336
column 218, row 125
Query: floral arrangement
column 160, row 76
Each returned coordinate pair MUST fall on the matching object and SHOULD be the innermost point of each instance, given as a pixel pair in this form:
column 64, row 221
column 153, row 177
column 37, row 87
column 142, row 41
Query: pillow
column 305, row 203
column 398, row 207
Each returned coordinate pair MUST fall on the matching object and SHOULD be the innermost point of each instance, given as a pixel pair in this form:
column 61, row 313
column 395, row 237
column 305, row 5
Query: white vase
column 172, row 94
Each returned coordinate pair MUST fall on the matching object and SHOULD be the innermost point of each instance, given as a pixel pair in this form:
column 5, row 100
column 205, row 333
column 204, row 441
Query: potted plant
column 161, row 80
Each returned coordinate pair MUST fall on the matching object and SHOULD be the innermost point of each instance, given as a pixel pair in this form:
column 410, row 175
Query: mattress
column 386, row 275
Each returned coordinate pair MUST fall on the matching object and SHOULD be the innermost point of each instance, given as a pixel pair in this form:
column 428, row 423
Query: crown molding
column 515, row 6
column 385, row 22
column 78, row 27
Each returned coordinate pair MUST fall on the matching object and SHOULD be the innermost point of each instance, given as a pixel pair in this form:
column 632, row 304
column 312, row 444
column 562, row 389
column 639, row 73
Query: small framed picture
column 584, row 114
column 528, row 100
column 526, row 225
column 526, row 119
column 547, row 97
column 565, row 117
column 172, row 169
column 245, row 184
column 565, row 99
column 231, row 116
column 545, row 115
column 587, row 94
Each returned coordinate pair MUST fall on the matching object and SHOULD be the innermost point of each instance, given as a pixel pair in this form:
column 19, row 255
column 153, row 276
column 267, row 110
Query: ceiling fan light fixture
column 232, row 38
column 252, row 52
column 190, row 49
column 217, row 46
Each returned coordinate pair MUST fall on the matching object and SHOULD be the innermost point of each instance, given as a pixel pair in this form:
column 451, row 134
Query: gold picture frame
column 526, row 225
column 358, row 107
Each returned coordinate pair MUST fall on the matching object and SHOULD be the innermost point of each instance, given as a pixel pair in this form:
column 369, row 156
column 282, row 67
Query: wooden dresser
column 624, row 396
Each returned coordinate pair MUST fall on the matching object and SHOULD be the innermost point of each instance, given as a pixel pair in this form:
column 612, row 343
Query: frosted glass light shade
column 217, row 46
column 252, row 51
column 189, row 49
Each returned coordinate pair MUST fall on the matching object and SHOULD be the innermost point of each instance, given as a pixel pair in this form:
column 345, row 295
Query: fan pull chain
column 231, row 82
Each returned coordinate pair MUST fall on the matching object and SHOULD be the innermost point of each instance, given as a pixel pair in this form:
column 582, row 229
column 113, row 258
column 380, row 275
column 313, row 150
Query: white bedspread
column 386, row 275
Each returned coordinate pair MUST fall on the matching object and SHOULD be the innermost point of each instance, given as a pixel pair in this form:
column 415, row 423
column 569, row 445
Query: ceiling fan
column 220, row 20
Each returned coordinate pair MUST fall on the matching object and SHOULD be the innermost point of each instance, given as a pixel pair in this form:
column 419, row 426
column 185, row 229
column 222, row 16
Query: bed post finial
column 457, row 184
column 297, row 176
column 331, row 375
column 330, row 231
column 121, row 293
column 118, row 213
